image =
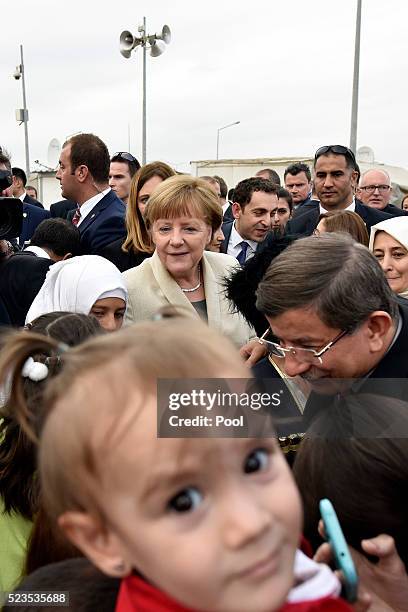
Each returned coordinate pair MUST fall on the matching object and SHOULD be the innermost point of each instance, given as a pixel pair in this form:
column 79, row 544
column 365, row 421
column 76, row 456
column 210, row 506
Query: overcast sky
column 283, row 68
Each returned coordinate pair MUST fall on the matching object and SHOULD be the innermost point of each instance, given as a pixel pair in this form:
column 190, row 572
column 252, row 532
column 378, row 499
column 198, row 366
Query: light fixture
column 156, row 43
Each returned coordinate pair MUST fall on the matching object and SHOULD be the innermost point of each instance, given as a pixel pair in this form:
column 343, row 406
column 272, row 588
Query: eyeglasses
column 127, row 156
column 372, row 188
column 337, row 150
column 301, row 354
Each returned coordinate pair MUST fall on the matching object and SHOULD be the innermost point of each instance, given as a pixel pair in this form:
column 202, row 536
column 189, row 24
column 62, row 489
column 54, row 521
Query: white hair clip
column 34, row 370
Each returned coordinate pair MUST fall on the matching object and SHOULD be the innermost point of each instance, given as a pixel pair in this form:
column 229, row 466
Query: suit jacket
column 388, row 378
column 29, row 200
column 32, row 216
column 394, row 211
column 104, row 224
column 304, row 207
column 228, row 216
column 61, row 209
column 306, row 223
column 122, row 260
column 227, row 229
column 21, row 278
column 151, row 287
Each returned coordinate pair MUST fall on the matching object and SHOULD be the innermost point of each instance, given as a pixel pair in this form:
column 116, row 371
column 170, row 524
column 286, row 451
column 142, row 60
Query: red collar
column 136, row 595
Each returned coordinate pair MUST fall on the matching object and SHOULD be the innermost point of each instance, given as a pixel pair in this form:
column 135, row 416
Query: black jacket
column 61, row 209
column 29, row 200
column 306, row 223
column 122, row 260
column 395, row 211
column 21, row 278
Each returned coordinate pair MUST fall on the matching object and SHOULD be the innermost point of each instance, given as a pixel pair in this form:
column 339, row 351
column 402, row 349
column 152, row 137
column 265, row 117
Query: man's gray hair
column 336, row 276
column 375, row 170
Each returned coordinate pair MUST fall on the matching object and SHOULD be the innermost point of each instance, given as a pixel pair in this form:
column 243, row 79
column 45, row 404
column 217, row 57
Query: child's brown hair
column 88, row 403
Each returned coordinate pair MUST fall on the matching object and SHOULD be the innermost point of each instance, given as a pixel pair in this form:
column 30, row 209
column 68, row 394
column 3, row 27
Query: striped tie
column 76, row 217
column 241, row 257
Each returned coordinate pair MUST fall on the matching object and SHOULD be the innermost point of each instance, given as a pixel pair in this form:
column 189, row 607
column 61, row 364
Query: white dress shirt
column 90, row 204
column 351, row 207
column 22, row 196
column 235, row 245
column 38, row 251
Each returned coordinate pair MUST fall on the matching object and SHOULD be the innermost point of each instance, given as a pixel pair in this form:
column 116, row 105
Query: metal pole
column 144, row 95
column 354, row 104
column 218, row 142
column 27, row 152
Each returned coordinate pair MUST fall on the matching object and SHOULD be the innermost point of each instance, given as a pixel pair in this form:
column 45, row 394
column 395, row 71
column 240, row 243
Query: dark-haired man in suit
column 336, row 174
column 255, row 200
column 84, row 176
column 19, row 188
column 32, row 213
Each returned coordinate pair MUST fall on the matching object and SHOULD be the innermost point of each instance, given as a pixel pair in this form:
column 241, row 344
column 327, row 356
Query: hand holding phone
column 341, row 553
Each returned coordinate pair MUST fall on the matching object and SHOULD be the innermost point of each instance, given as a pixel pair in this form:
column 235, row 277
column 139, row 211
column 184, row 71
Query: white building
column 235, row 170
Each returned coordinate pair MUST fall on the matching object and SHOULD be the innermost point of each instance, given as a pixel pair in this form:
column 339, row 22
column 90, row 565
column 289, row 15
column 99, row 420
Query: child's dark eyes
column 256, row 461
column 186, row 500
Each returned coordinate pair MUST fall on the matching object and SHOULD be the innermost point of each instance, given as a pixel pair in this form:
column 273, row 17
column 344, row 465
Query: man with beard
column 334, row 321
column 254, row 201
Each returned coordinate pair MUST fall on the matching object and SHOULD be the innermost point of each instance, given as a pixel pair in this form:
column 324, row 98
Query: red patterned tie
column 76, row 217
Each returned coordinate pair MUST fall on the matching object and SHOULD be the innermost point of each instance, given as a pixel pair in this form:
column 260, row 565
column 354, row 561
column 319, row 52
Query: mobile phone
column 342, row 556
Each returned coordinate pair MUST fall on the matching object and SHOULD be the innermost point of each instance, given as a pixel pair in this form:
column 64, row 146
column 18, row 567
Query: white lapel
column 212, row 290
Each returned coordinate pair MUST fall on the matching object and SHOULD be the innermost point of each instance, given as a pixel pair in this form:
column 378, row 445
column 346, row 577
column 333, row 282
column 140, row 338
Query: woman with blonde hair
column 137, row 245
column 181, row 217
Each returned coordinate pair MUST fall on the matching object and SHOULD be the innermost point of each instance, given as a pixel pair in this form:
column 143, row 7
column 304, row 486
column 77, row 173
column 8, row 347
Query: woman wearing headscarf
column 389, row 243
column 88, row 284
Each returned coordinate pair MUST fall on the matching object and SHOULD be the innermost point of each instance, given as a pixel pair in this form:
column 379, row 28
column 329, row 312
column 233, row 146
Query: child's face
column 213, row 522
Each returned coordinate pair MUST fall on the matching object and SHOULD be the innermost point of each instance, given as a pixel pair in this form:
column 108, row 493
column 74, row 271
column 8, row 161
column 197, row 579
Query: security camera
column 17, row 73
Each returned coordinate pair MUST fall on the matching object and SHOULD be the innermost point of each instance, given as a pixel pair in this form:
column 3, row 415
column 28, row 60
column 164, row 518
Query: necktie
column 242, row 254
column 76, row 217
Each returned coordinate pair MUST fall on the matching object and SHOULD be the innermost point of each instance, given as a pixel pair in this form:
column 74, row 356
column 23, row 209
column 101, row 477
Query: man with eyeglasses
column 123, row 167
column 334, row 321
column 336, row 175
column 375, row 191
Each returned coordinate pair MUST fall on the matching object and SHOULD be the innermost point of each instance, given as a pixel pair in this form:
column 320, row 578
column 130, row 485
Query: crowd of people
column 299, row 291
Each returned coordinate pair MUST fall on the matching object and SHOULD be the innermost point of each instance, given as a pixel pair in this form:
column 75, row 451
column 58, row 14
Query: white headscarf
column 397, row 227
column 75, row 284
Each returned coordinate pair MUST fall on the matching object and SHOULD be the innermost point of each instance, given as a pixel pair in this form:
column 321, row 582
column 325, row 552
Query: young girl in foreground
column 189, row 524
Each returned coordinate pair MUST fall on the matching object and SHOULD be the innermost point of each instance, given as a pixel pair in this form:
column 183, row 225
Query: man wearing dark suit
column 298, row 181
column 19, row 188
column 375, row 191
column 61, row 209
column 336, row 322
column 21, row 277
column 84, row 174
column 254, row 200
column 335, row 178
column 32, row 214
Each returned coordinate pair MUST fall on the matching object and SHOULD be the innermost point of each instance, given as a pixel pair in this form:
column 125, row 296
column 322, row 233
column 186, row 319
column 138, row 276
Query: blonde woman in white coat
column 182, row 214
